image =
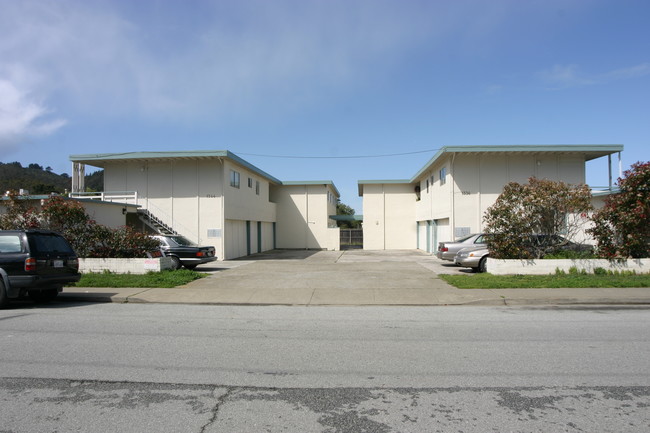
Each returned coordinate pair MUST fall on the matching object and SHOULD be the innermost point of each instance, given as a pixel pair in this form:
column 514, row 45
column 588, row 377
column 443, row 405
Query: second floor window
column 257, row 187
column 443, row 175
column 234, row 178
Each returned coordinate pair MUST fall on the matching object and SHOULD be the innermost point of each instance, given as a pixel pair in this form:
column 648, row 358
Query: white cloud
column 177, row 60
column 563, row 76
column 22, row 117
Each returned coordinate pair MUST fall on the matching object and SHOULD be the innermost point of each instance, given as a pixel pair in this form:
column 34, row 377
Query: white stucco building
column 215, row 198
column 449, row 195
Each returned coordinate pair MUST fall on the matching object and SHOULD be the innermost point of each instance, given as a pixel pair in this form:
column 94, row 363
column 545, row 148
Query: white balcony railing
column 128, row 197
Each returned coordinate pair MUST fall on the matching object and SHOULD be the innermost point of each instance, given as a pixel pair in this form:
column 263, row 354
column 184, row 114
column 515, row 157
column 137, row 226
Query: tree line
column 42, row 180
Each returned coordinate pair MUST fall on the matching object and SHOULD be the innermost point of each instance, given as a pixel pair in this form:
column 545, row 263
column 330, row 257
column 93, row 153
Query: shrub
column 600, row 271
column 622, row 226
column 69, row 218
column 526, row 220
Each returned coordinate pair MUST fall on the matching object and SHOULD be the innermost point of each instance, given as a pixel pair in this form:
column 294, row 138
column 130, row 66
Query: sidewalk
column 346, row 278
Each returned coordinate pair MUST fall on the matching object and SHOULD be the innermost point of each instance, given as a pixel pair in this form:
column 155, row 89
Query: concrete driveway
column 299, row 277
column 354, row 277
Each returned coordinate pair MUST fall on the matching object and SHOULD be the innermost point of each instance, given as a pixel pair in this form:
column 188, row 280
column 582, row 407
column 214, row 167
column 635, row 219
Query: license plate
column 57, row 263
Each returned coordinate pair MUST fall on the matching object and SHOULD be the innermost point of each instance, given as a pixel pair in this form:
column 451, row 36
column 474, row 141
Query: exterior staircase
column 155, row 223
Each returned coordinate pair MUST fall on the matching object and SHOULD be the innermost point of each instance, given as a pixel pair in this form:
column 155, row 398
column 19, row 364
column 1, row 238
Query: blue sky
column 322, row 79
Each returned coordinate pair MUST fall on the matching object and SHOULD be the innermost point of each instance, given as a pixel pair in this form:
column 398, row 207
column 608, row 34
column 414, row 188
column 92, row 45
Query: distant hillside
column 38, row 180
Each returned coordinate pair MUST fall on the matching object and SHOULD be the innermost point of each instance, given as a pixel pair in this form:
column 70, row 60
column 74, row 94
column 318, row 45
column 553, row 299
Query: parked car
column 184, row 252
column 447, row 250
column 473, row 257
column 476, row 257
column 36, row 263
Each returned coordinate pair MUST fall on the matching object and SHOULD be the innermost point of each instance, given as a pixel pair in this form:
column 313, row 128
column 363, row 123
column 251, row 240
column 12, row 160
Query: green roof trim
column 347, row 217
column 381, row 182
column 100, row 159
column 312, row 182
column 591, row 151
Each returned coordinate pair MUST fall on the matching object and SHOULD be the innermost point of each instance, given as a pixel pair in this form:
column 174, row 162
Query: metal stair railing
column 155, row 223
column 176, row 227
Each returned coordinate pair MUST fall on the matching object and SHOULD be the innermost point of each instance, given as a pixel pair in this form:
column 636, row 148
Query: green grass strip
column 488, row 281
column 163, row 279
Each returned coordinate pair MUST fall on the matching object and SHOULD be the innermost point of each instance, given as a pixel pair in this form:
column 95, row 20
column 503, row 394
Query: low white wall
column 545, row 267
column 125, row 266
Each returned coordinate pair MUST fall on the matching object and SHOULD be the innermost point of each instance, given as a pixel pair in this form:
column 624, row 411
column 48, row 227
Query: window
column 234, row 178
column 250, row 182
column 443, row 175
column 257, row 187
column 427, row 185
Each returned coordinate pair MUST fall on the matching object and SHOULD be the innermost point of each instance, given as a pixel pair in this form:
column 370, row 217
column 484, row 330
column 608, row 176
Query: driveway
column 303, row 277
column 355, row 277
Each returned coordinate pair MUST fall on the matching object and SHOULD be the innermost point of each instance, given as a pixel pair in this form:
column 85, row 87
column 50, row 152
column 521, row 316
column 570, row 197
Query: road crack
column 217, row 407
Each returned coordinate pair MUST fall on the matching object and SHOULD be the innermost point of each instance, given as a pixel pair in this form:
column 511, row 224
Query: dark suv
column 35, row 263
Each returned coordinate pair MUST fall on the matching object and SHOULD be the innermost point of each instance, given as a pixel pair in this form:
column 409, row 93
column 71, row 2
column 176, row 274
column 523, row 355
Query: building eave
column 312, row 182
column 590, row 151
column 101, row 159
column 361, row 183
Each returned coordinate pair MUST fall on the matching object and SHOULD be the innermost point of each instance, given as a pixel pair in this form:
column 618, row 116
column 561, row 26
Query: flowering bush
column 69, row 218
column 622, row 226
column 526, row 220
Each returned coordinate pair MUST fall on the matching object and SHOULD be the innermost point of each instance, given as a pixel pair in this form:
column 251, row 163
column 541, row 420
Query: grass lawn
column 164, row 279
column 488, row 281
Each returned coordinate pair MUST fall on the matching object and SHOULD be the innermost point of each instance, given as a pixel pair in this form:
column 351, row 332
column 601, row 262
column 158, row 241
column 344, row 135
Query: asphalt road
column 170, row 368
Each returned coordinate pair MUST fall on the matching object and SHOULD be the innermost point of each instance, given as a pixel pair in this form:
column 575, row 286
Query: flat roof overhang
column 101, row 159
column 589, row 151
column 361, row 183
column 346, row 217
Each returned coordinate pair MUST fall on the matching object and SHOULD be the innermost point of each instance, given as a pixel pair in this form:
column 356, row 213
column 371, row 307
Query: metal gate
column 351, row 239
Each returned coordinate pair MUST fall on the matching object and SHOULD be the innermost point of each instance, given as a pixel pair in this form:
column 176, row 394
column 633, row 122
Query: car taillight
column 30, row 264
column 199, row 254
column 443, row 249
column 73, row 263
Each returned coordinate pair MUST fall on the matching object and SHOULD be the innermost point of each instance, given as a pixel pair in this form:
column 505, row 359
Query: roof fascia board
column 607, row 149
column 312, row 182
column 361, row 183
column 99, row 159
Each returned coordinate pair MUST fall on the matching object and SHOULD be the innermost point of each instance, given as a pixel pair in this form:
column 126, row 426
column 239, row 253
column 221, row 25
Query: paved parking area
column 305, row 277
column 354, row 277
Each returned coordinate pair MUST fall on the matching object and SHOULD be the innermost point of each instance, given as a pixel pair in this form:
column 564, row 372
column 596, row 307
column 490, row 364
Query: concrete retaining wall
column 125, row 266
column 544, row 267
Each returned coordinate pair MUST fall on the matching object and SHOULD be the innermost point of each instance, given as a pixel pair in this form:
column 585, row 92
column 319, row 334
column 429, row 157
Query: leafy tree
column 35, row 179
column 528, row 221
column 344, row 209
column 622, row 226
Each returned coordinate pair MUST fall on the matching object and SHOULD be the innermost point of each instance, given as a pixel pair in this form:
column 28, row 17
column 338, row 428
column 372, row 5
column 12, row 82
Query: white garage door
column 235, row 239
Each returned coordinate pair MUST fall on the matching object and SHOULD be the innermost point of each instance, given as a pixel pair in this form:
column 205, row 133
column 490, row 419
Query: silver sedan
column 447, row 250
column 473, row 257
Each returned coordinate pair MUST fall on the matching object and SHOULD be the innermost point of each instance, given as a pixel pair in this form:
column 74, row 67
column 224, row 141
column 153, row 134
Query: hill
column 38, row 180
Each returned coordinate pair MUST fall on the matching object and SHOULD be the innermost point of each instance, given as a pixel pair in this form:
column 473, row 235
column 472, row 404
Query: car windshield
column 181, row 241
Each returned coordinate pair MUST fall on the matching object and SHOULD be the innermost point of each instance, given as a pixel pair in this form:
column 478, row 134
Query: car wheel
column 176, row 263
column 47, row 295
column 482, row 265
column 190, row 267
column 4, row 300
